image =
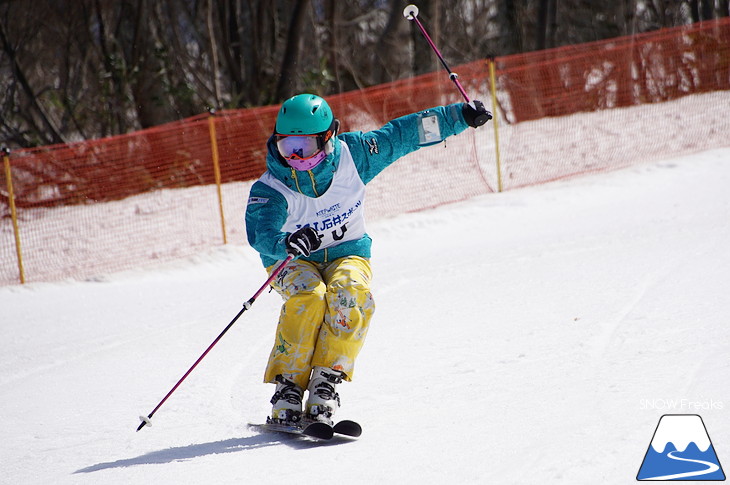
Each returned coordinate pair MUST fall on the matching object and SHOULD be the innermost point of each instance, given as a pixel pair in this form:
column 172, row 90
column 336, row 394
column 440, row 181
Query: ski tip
column 320, row 431
column 348, row 428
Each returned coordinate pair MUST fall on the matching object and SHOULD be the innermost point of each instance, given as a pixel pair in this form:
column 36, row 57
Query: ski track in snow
column 514, row 338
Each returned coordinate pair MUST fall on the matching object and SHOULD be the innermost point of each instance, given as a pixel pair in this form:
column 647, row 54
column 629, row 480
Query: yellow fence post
column 217, row 170
column 13, row 212
column 493, row 83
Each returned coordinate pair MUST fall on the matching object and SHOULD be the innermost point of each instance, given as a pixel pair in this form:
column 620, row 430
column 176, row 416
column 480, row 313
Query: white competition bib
column 337, row 215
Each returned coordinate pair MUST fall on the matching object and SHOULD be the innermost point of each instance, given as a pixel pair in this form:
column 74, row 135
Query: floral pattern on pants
column 324, row 319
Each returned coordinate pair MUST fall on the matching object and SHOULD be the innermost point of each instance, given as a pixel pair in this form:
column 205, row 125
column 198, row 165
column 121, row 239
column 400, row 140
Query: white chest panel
column 337, row 215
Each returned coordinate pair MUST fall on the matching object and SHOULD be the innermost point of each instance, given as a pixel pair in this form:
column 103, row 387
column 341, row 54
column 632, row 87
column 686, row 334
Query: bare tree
column 35, row 115
column 423, row 57
column 546, row 11
column 723, row 8
column 391, row 50
column 290, row 62
column 76, row 69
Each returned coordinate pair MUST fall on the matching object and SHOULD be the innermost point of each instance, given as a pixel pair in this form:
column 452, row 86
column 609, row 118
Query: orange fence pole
column 493, row 83
column 217, row 171
column 13, row 212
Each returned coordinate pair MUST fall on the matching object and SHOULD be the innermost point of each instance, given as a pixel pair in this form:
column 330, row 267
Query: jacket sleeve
column 374, row 151
column 266, row 214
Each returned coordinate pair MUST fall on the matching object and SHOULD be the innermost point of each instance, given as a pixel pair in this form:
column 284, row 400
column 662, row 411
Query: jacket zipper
column 296, row 180
column 311, row 177
column 314, row 184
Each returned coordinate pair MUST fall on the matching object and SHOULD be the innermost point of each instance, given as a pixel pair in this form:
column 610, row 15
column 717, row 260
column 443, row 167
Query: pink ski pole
column 411, row 13
column 246, row 306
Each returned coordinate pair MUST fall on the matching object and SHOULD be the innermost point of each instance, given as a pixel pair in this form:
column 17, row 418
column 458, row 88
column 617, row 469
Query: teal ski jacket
column 372, row 152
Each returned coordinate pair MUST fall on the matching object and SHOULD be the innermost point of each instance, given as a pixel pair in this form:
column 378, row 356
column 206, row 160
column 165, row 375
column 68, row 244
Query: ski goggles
column 299, row 147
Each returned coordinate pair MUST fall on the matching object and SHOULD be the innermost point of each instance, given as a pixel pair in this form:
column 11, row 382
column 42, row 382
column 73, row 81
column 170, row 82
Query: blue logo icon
column 681, row 450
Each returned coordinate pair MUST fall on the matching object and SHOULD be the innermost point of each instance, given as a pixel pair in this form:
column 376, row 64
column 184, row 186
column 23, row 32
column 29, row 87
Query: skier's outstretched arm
column 373, row 151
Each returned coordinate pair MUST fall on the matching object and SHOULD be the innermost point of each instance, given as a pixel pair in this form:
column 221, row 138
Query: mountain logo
column 681, row 450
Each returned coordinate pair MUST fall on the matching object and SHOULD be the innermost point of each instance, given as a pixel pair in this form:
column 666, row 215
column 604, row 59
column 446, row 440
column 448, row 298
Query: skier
column 309, row 204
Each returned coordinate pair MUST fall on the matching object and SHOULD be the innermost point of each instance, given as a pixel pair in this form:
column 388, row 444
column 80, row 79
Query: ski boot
column 323, row 401
column 287, row 401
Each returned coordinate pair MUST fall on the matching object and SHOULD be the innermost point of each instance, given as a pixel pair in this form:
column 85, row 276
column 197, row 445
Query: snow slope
column 533, row 336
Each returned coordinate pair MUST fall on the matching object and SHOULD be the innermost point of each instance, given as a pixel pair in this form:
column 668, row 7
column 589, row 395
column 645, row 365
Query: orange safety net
column 118, row 203
column 632, row 96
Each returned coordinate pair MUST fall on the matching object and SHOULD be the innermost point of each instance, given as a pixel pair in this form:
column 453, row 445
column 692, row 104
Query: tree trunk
column 424, row 60
column 51, row 135
column 542, row 25
column 707, row 9
column 332, row 42
column 552, row 23
column 152, row 101
column 723, row 8
column 232, row 46
column 511, row 28
column 694, row 10
column 213, row 54
column 290, row 65
column 388, row 52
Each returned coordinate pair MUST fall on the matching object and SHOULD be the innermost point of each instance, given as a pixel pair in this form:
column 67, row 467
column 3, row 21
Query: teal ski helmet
column 304, row 114
column 304, row 132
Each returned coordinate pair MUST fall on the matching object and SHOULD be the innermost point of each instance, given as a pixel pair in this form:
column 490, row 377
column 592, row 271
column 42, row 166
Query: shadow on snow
column 182, row 453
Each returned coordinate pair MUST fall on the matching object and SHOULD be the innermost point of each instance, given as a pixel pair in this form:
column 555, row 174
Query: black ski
column 319, row 431
column 316, row 430
column 347, row 428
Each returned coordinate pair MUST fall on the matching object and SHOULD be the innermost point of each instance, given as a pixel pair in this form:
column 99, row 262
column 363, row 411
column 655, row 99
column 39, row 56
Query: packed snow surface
column 533, row 336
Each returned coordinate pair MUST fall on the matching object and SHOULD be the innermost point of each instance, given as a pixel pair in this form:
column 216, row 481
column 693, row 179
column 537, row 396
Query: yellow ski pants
column 324, row 319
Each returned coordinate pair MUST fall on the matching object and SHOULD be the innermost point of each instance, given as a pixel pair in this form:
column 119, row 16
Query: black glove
column 302, row 242
column 475, row 114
